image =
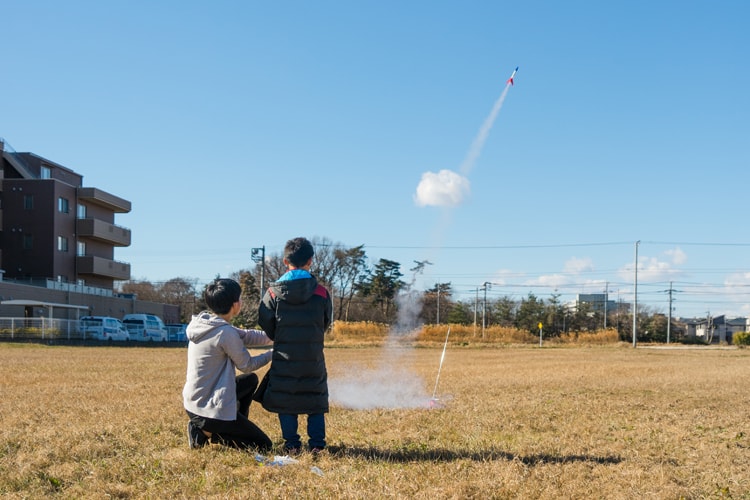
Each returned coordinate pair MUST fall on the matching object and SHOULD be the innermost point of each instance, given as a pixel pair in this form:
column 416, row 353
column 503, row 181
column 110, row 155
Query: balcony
column 104, row 199
column 103, row 231
column 99, row 266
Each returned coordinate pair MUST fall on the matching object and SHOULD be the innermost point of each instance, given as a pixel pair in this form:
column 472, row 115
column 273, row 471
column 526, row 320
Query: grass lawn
column 515, row 422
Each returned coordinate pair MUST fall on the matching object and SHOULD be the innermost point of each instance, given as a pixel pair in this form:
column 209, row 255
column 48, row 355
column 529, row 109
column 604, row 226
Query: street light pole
column 635, row 296
column 259, row 255
column 606, row 299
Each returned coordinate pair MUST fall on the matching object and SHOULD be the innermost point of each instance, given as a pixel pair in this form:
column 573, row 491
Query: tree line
column 371, row 292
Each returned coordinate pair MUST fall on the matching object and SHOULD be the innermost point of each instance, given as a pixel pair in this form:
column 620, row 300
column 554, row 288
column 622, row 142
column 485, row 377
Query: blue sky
column 238, row 124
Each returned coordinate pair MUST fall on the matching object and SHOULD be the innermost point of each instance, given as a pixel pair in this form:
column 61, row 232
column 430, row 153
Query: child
column 295, row 312
column 217, row 402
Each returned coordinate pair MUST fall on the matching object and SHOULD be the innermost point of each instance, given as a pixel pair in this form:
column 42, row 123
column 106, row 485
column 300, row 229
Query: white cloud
column 550, row 280
column 656, row 268
column 678, row 256
column 575, row 265
column 503, row 277
column 443, row 189
column 738, row 279
column 570, row 275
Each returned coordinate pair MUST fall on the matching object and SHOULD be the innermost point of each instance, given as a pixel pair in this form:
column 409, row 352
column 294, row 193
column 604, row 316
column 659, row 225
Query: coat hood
column 295, row 291
column 203, row 323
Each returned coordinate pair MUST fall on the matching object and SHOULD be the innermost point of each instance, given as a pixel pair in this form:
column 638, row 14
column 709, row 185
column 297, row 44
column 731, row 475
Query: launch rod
column 442, row 357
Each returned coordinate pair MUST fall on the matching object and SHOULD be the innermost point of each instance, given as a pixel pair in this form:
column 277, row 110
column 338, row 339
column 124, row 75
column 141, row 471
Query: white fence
column 41, row 328
column 63, row 330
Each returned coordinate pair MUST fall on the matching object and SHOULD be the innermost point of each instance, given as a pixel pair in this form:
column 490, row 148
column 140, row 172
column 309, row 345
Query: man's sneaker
column 196, row 438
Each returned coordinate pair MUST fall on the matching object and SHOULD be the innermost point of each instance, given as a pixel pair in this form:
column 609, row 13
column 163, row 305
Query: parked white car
column 145, row 327
column 103, row 328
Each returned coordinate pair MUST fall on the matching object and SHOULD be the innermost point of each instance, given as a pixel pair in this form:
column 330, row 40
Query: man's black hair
column 221, row 294
column 298, row 251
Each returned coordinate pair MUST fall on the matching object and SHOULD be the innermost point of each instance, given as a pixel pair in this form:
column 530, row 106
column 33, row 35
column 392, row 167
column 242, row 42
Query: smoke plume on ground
column 390, row 383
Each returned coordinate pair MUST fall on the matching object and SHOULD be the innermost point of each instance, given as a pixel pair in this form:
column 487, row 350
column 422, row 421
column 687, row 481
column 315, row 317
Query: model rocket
column 510, row 80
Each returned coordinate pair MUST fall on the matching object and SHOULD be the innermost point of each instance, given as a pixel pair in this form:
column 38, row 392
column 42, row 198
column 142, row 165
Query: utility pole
column 669, row 317
column 635, row 296
column 476, row 306
column 671, row 291
column 438, row 304
column 606, row 299
column 259, row 255
column 484, row 308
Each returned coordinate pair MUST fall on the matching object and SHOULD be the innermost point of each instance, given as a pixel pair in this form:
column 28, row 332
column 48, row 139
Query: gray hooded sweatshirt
column 215, row 350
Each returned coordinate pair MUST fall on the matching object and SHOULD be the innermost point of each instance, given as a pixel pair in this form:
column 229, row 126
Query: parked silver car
column 145, row 327
column 103, row 328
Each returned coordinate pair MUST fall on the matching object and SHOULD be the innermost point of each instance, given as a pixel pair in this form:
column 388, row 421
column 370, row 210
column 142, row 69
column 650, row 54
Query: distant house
column 716, row 329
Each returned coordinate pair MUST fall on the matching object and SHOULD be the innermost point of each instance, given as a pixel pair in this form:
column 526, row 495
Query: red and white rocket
column 510, row 80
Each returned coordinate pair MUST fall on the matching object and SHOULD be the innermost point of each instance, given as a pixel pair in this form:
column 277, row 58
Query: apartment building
column 52, row 227
column 57, row 245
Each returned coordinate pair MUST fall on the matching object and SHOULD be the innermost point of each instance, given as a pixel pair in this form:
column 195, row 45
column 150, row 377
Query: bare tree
column 324, row 266
column 176, row 291
column 180, row 292
column 275, row 268
column 144, row 290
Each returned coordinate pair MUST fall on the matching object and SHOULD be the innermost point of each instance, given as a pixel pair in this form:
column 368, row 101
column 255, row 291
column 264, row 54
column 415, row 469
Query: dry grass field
column 517, row 422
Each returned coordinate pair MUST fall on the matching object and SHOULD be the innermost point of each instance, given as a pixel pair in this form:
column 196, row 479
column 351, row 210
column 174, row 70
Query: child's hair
column 298, row 251
column 221, row 294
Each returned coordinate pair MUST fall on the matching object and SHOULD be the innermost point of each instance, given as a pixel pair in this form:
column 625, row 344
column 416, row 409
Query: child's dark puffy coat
column 295, row 314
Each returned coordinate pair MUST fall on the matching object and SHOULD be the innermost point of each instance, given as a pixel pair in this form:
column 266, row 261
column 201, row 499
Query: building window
column 81, row 249
column 62, row 243
column 81, row 211
column 62, row 205
column 45, row 173
column 28, row 241
column 28, row 202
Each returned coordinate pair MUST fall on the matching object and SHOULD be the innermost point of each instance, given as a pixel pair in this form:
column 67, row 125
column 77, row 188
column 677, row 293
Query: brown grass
column 368, row 333
column 520, row 422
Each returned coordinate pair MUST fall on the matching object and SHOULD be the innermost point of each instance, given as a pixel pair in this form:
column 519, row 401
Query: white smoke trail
column 484, row 131
column 450, row 189
column 390, row 384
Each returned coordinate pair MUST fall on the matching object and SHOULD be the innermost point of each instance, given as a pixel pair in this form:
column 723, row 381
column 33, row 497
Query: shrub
column 608, row 336
column 358, row 332
column 470, row 333
column 692, row 340
column 741, row 338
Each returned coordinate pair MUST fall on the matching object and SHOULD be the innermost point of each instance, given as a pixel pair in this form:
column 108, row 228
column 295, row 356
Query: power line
column 496, row 247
